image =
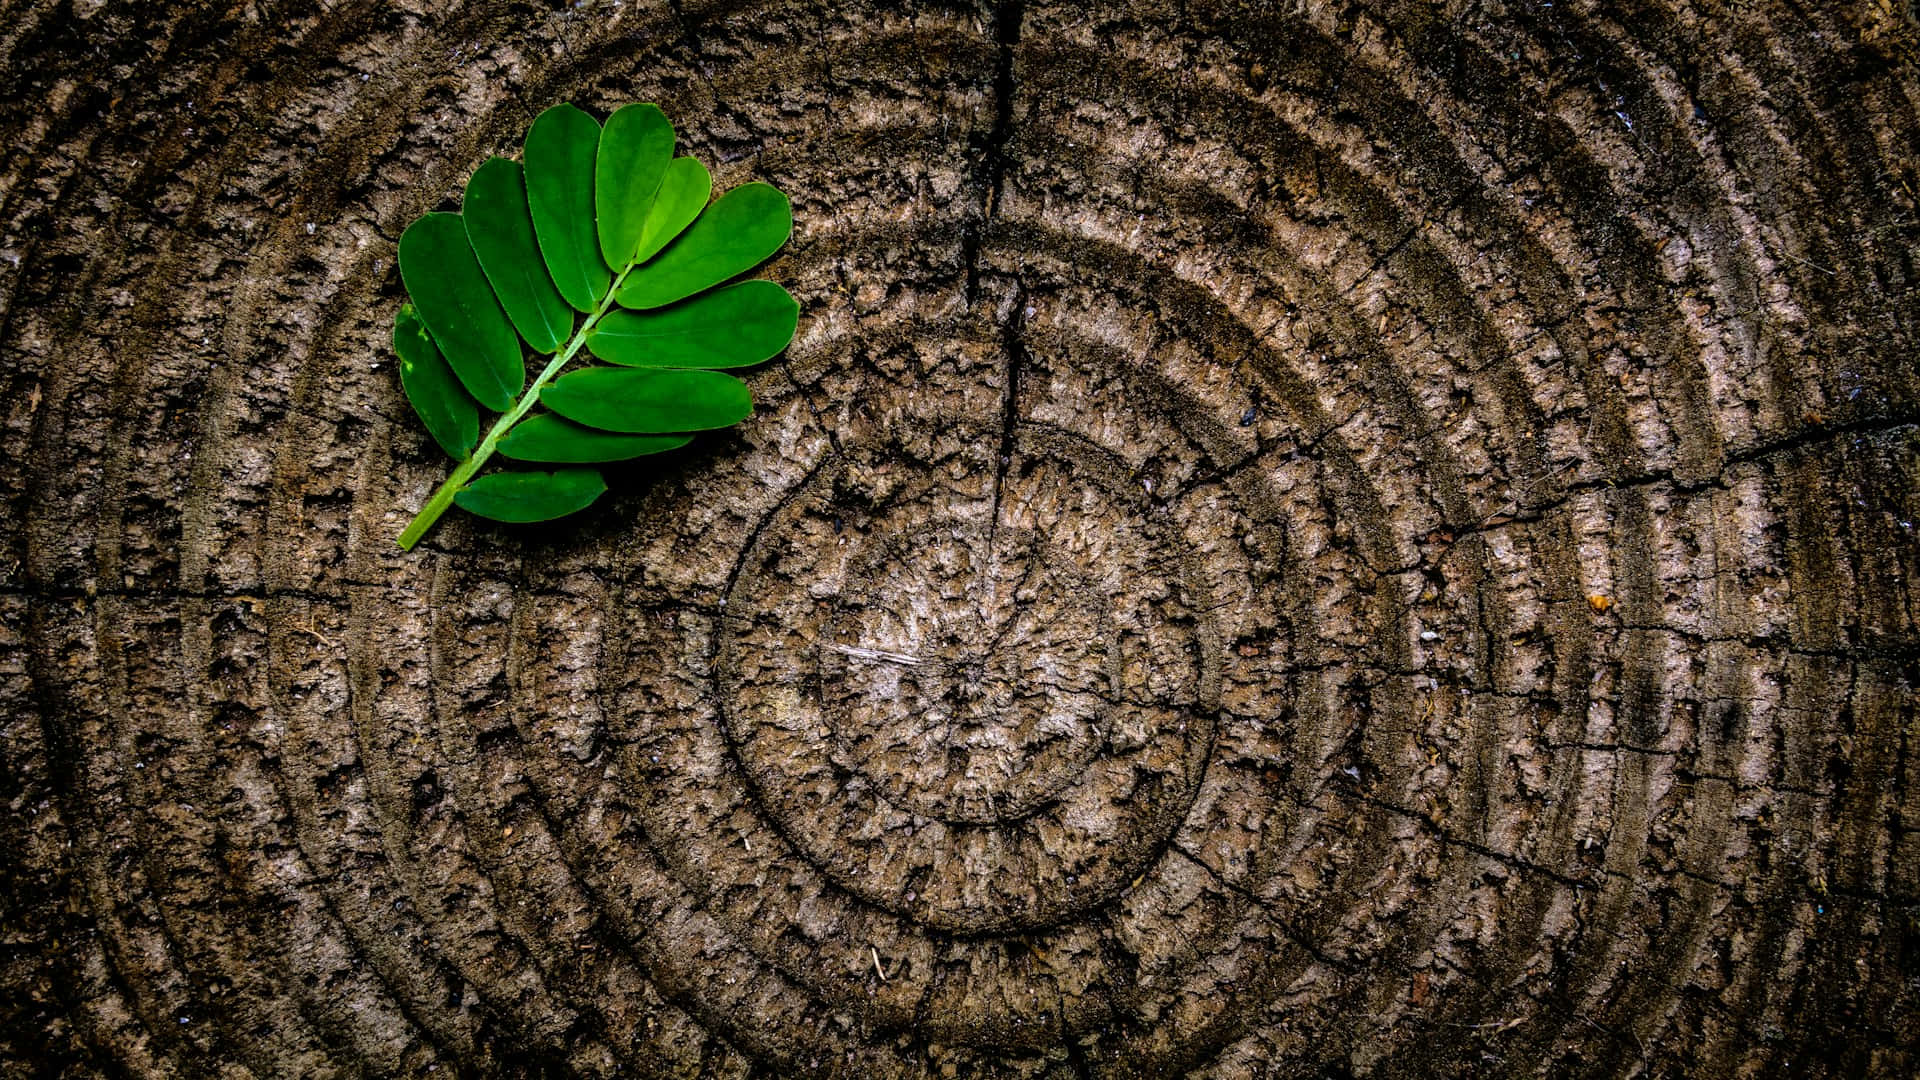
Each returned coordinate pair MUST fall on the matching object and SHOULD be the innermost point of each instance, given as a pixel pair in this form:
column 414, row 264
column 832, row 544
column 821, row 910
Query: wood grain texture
column 1293, row 541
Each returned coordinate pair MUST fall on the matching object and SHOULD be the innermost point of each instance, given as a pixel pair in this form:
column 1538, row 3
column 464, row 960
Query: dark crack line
column 1013, row 343
column 1446, row 836
column 1007, row 16
column 1267, row 910
column 813, row 407
column 688, row 34
column 1279, row 920
column 1819, row 438
column 1076, row 1054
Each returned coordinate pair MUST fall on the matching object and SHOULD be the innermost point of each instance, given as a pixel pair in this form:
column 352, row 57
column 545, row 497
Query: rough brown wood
column 1294, row 541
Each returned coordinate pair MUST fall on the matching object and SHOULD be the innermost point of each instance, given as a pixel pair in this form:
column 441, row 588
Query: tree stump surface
column 1293, row 541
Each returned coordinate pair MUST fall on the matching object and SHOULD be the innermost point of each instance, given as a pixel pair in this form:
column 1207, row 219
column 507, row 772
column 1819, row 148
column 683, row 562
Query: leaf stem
column 456, row 480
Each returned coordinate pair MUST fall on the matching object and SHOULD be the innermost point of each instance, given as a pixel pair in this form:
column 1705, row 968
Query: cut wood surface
column 1293, row 540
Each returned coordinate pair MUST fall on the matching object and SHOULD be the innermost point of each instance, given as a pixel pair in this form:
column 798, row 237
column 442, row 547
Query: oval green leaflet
column 521, row 497
column 649, row 401
column 450, row 415
column 562, row 147
column 546, row 437
column 599, row 244
column 501, row 231
column 733, row 235
column 736, row 326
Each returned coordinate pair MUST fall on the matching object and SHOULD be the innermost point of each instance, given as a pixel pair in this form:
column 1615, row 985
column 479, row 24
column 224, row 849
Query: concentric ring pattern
column 1294, row 540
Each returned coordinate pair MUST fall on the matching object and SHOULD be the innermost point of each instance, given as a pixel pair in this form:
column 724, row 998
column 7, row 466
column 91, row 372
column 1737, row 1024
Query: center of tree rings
column 977, row 697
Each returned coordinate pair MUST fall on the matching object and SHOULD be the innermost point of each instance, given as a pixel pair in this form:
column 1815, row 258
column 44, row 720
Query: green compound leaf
column 732, row 327
column 561, row 149
column 634, row 151
column 683, row 194
column 452, row 295
column 736, row 233
column 545, row 437
column 500, row 228
column 520, row 497
column 431, row 387
column 646, row 401
column 541, row 253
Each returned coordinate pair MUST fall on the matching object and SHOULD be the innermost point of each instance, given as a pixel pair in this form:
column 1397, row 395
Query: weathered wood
column 1293, row 541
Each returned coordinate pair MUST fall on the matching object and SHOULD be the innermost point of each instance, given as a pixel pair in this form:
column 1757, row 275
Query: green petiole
column 443, row 495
